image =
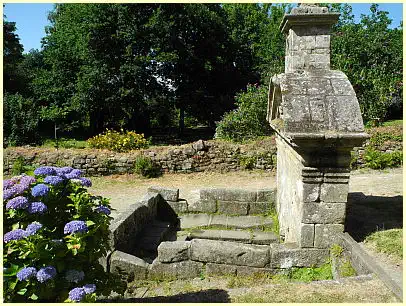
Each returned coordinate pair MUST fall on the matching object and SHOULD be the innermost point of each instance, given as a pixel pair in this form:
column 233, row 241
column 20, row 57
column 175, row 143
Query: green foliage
column 347, row 270
column 21, row 120
column 370, row 53
column 65, row 143
column 146, row 167
column 247, row 162
column 51, row 245
column 311, row 274
column 249, row 119
column 387, row 241
column 380, row 160
column 123, row 141
column 336, row 250
column 19, row 167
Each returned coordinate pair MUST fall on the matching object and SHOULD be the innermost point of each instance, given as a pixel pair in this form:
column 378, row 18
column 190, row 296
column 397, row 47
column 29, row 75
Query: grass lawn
column 389, row 242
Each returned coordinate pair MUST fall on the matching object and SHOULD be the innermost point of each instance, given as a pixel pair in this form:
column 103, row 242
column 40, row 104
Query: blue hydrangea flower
column 45, row 170
column 89, row 288
column 40, row 190
column 14, row 235
column 85, row 182
column 19, row 202
column 37, row 207
column 77, row 294
column 45, row 274
column 74, row 276
column 53, row 180
column 8, row 184
column 26, row 273
column 63, row 170
column 103, row 209
column 27, row 180
column 74, row 174
column 33, row 227
column 76, row 226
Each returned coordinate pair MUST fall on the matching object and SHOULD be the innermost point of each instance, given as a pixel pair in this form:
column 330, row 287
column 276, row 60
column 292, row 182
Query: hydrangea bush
column 55, row 232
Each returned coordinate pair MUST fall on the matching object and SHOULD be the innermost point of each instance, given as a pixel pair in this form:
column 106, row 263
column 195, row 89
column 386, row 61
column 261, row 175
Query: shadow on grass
column 368, row 214
column 204, row 296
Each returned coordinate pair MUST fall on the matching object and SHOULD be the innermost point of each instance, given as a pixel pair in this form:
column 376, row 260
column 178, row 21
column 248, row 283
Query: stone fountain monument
column 317, row 119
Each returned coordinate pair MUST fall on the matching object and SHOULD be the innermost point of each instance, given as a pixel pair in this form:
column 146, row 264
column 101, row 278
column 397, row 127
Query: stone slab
column 321, row 212
column 168, row 194
column 180, row 206
column 232, row 207
column 256, row 208
column 225, row 235
column 177, row 270
column 334, row 193
column 173, row 251
column 326, row 235
column 128, row 266
column 306, row 235
column 204, row 206
column 226, row 194
column 194, row 220
column 264, row 238
column 213, row 269
column 243, row 222
column 247, row 271
column 286, row 257
column 229, row 253
column 266, row 195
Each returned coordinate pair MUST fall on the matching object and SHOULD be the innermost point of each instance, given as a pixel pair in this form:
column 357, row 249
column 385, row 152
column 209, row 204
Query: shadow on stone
column 368, row 214
column 204, row 296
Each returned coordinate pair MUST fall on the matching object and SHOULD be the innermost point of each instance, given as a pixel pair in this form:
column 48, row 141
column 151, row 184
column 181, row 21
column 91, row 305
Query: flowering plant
column 55, row 232
column 122, row 141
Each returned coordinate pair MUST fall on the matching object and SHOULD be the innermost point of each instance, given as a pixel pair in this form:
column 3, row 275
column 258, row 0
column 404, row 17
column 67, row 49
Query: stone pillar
column 317, row 120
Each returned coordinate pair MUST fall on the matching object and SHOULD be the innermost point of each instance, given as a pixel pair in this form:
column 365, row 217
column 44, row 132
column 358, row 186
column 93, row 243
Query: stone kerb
column 317, row 120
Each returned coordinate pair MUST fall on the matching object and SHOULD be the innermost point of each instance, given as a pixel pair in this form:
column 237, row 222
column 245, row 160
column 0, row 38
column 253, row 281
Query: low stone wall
column 195, row 157
column 200, row 156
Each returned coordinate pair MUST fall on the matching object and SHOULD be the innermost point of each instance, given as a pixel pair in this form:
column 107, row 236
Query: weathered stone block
column 173, row 251
column 193, row 220
column 177, row 270
column 229, row 253
column 232, row 207
column 327, row 234
column 213, row 269
column 285, row 257
column 334, row 193
column 246, row 271
column 311, row 192
column 179, row 206
column 224, row 194
column 323, row 41
column 128, row 266
column 208, row 206
column 321, row 212
column 266, row 195
column 169, row 194
column 256, row 208
column 306, row 235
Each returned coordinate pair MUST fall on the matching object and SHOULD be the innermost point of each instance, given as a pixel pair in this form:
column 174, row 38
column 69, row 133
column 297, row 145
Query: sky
column 31, row 19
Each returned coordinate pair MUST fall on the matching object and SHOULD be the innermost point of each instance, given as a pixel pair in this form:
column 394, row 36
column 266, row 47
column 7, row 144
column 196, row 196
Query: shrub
column 118, row 141
column 19, row 167
column 55, row 234
column 380, row 160
column 248, row 121
column 146, row 167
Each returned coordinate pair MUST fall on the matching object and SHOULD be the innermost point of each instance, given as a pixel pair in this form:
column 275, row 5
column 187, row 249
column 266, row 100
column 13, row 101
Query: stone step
column 239, row 222
column 235, row 235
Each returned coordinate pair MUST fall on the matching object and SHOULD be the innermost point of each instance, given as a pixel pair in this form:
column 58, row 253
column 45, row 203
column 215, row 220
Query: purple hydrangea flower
column 103, row 209
column 63, row 170
column 27, row 180
column 74, row 174
column 19, row 202
column 45, row 274
column 76, row 226
column 40, row 190
column 37, row 207
column 77, row 294
column 85, row 182
column 26, row 273
column 74, row 276
column 53, row 180
column 15, row 235
column 44, row 171
column 8, row 193
column 33, row 227
column 89, row 288
column 8, row 184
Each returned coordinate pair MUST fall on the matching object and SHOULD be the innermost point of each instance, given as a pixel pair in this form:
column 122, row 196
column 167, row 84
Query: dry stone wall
column 195, row 157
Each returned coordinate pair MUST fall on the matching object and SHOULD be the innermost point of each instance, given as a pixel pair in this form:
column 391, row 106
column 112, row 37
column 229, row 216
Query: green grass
column 388, row 241
column 65, row 143
column 393, row 123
